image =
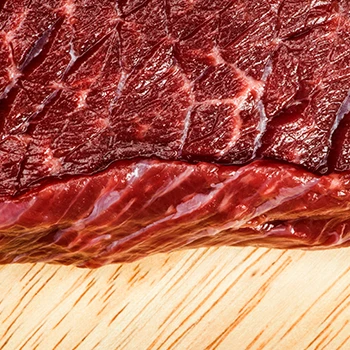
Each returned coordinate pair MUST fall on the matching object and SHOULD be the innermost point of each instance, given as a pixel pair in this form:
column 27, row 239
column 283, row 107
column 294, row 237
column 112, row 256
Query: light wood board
column 226, row 298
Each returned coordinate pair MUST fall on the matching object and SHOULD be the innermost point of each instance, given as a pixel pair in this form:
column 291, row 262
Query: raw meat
column 133, row 127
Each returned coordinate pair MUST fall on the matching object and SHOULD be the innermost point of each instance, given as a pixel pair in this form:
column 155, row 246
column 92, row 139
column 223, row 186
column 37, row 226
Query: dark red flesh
column 134, row 127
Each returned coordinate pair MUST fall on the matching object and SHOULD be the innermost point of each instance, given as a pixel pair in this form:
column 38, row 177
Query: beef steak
column 130, row 127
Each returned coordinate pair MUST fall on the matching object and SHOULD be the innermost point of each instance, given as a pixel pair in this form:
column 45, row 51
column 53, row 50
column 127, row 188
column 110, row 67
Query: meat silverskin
column 129, row 128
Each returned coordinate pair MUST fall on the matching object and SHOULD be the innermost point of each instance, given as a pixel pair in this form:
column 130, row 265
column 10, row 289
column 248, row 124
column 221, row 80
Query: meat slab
column 132, row 127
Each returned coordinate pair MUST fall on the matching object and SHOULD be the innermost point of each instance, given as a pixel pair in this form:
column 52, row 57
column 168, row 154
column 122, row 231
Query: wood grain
column 226, row 298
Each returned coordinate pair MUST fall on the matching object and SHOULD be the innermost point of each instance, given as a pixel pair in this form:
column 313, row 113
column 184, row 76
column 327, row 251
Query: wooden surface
column 227, row 298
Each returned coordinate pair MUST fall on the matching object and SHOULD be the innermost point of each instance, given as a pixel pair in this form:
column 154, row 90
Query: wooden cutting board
column 227, row 298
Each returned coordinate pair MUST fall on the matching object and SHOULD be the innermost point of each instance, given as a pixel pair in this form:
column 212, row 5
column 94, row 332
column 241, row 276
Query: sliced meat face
column 84, row 84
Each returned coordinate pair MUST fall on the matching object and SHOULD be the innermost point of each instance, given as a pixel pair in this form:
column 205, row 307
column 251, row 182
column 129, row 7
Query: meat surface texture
column 131, row 127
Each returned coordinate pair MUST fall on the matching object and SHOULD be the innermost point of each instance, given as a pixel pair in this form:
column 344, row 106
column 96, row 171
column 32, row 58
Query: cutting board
column 222, row 298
